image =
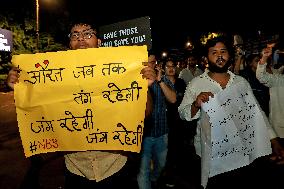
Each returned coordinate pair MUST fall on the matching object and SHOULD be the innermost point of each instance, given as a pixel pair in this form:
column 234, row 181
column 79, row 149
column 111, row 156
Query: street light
column 189, row 45
column 37, row 24
column 164, row 54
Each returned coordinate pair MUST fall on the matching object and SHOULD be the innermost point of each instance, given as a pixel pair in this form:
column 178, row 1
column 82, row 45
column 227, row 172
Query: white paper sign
column 238, row 130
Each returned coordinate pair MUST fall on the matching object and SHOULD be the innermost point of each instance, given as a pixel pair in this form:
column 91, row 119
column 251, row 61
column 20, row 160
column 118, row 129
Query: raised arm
column 263, row 76
column 168, row 91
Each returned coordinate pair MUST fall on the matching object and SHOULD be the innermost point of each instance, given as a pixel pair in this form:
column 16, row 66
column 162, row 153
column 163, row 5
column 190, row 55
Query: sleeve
column 269, row 80
column 185, row 106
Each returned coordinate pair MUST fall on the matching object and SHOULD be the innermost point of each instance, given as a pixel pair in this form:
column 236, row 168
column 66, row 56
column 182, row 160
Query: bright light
column 50, row 4
column 189, row 45
column 164, row 54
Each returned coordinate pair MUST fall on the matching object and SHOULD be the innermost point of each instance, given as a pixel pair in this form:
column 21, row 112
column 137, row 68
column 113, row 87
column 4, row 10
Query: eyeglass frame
column 90, row 31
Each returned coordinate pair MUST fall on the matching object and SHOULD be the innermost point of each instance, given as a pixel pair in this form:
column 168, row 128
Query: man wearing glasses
column 92, row 169
column 83, row 36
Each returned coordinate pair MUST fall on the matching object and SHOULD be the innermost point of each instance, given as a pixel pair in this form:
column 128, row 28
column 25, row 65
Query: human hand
column 239, row 52
column 150, row 74
column 159, row 72
column 201, row 98
column 13, row 77
column 277, row 151
column 266, row 53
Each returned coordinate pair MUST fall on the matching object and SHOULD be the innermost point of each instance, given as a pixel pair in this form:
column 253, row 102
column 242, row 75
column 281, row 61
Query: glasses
column 85, row 34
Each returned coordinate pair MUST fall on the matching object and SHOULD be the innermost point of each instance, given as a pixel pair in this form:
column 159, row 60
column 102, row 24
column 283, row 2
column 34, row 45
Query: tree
column 24, row 42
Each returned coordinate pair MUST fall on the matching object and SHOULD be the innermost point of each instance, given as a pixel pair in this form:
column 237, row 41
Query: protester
column 92, row 169
column 200, row 90
column 155, row 139
column 275, row 82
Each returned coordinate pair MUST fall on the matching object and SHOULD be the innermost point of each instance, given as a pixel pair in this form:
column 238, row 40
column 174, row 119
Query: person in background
column 155, row 137
column 203, row 63
column 260, row 91
column 191, row 71
column 275, row 82
column 180, row 133
column 180, row 66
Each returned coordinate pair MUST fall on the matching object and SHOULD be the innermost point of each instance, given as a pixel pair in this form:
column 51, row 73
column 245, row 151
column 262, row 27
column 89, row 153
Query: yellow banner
column 78, row 100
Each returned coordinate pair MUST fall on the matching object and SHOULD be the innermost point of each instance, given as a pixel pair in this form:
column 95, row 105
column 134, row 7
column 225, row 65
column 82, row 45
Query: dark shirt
column 180, row 87
column 181, row 132
column 157, row 124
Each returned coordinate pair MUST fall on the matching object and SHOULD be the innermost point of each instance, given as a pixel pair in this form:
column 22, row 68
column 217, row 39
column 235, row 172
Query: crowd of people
column 176, row 117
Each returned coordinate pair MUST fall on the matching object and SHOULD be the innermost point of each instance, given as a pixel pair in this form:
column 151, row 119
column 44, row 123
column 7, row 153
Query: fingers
column 149, row 74
column 203, row 97
column 159, row 69
column 13, row 77
column 266, row 52
column 159, row 72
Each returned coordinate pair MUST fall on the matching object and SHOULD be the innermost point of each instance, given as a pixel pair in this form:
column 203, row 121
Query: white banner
column 238, row 129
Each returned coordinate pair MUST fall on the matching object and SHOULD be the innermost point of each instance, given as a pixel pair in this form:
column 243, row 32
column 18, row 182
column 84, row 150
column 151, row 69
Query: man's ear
column 99, row 43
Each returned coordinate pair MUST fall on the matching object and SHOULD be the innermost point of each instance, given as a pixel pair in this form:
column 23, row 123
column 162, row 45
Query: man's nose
column 81, row 37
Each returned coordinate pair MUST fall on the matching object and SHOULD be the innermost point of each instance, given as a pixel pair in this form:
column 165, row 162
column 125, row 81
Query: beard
column 216, row 69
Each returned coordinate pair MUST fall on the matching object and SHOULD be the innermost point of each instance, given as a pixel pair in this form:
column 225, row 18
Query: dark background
column 172, row 22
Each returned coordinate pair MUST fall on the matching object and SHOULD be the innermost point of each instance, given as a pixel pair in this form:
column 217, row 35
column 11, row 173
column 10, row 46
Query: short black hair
column 168, row 60
column 84, row 24
column 250, row 57
column 228, row 42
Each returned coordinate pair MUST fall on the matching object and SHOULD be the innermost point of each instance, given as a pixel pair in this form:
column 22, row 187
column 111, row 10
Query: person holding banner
column 232, row 132
column 93, row 169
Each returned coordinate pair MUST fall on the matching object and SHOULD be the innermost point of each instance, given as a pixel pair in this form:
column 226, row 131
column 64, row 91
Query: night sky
column 171, row 23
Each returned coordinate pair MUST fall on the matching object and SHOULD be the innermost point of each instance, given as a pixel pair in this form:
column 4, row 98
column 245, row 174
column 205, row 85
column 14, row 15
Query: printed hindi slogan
column 78, row 100
column 238, row 129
